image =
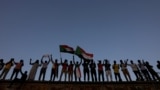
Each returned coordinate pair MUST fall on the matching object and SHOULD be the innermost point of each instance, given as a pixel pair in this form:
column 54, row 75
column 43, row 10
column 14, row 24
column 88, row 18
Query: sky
column 110, row 29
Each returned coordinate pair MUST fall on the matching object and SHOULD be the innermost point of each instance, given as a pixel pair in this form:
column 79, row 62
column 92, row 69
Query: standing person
column 54, row 70
column 1, row 64
column 77, row 71
column 152, row 71
column 17, row 68
column 85, row 69
column 70, row 71
column 144, row 70
column 107, row 66
column 115, row 67
column 100, row 71
column 7, row 68
column 93, row 71
column 44, row 67
column 136, row 71
column 64, row 69
column 21, row 80
column 124, row 69
column 33, row 70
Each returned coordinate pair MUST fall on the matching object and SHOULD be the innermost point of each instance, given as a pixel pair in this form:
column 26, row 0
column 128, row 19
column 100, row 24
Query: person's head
column 158, row 61
column 37, row 61
column 12, row 59
column 65, row 61
column 139, row 61
column 1, row 60
column 131, row 62
column 114, row 62
column 147, row 63
column 121, row 61
column 77, row 62
column 99, row 61
column 21, row 61
column 45, row 61
column 56, row 60
column 25, row 72
column 70, row 62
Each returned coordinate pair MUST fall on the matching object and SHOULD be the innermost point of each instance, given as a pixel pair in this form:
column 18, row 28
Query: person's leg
column 51, row 75
column 12, row 74
column 84, row 73
column 61, row 75
column 102, row 76
column 88, row 75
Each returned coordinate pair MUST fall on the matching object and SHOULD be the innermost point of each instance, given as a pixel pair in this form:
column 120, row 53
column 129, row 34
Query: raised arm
column 49, row 59
column 74, row 60
column 42, row 59
column 80, row 62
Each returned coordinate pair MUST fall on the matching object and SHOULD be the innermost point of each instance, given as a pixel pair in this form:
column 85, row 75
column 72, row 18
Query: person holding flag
column 77, row 71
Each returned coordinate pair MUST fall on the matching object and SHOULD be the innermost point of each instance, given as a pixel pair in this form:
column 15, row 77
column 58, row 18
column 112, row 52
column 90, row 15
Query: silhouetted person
column 93, row 71
column 100, row 71
column 152, row 71
column 19, row 80
column 116, row 71
column 124, row 69
column 86, row 69
column 1, row 64
column 64, row 69
column 158, row 65
column 54, row 70
column 44, row 68
column 108, row 72
column 17, row 68
column 136, row 71
column 144, row 70
column 77, row 71
column 7, row 68
column 70, row 71
column 33, row 70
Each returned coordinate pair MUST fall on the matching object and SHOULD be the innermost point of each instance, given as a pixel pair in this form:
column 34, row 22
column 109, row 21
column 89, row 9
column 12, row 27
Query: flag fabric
column 82, row 54
column 66, row 49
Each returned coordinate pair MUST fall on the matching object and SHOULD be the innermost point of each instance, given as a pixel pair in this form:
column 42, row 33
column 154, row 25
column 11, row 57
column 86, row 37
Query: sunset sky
column 110, row 29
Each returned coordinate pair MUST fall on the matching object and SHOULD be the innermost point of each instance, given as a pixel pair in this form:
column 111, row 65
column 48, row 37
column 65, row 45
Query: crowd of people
column 142, row 70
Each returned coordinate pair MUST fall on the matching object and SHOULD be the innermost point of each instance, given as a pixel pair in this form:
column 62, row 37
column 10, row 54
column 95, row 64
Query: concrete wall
column 82, row 86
